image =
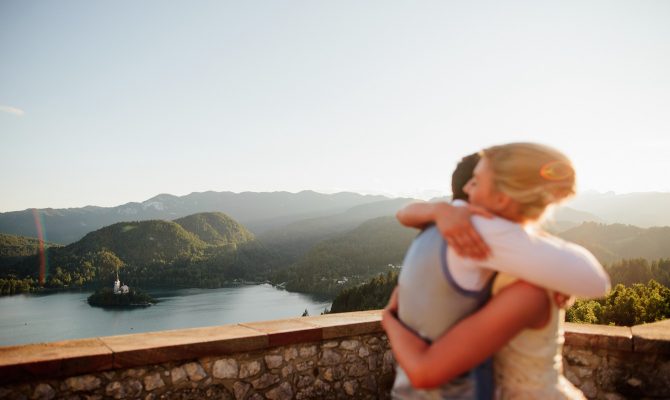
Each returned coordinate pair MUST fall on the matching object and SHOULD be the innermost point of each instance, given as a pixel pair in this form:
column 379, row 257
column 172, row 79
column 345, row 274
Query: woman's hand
column 563, row 300
column 391, row 309
column 455, row 225
column 393, row 301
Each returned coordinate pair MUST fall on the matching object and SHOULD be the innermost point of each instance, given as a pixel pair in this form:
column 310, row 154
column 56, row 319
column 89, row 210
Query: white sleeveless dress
column 530, row 366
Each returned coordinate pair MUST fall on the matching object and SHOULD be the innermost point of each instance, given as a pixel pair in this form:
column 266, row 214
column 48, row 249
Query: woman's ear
column 507, row 207
column 501, row 200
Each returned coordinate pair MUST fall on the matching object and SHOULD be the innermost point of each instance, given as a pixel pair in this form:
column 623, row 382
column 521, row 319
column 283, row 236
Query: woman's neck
column 512, row 212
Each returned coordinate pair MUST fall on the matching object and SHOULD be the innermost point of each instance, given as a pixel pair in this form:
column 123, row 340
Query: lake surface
column 66, row 315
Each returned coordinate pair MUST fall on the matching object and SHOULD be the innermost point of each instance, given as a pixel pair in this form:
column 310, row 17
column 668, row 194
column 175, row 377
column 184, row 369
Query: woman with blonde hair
column 516, row 182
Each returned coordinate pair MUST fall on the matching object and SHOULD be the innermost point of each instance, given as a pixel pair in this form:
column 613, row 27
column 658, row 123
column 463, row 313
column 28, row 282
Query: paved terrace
column 323, row 357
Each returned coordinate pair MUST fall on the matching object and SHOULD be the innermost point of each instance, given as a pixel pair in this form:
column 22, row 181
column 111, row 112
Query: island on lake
column 120, row 296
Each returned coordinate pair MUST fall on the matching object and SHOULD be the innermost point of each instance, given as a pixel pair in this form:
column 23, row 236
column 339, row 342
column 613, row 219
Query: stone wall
column 358, row 367
column 609, row 362
column 323, row 357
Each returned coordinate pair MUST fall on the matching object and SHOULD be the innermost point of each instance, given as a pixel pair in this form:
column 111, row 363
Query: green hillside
column 13, row 248
column 294, row 240
column 210, row 250
column 349, row 259
column 614, row 242
column 372, row 295
column 216, row 229
column 142, row 242
column 640, row 292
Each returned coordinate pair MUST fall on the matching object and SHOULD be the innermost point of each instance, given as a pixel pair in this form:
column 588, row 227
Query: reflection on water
column 67, row 315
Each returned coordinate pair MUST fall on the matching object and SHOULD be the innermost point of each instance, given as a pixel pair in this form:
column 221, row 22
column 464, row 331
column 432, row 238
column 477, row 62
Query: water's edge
column 46, row 317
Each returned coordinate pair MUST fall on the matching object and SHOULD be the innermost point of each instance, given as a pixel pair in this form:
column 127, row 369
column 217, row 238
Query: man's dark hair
column 462, row 175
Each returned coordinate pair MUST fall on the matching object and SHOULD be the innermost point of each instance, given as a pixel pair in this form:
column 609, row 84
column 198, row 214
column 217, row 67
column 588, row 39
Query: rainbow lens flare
column 39, row 226
column 556, row 171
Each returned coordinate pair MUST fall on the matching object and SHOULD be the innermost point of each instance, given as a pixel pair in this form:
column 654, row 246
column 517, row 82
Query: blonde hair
column 533, row 175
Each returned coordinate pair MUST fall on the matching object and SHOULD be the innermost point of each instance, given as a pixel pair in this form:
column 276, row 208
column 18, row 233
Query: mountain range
column 257, row 211
column 278, row 215
column 645, row 209
column 613, row 242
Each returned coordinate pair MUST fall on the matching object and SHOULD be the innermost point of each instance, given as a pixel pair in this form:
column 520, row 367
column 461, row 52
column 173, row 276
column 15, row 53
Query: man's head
column 462, row 174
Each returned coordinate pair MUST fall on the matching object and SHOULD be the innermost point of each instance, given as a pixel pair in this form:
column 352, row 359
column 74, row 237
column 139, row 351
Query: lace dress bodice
column 530, row 366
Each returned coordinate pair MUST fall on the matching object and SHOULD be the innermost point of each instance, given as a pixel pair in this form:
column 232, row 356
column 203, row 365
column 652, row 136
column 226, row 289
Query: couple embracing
column 495, row 286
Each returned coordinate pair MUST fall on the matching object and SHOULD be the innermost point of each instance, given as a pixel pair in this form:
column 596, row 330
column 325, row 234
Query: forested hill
column 217, row 250
column 19, row 246
column 142, row 242
column 16, row 248
column 216, row 229
column 349, row 259
column 616, row 241
column 294, row 240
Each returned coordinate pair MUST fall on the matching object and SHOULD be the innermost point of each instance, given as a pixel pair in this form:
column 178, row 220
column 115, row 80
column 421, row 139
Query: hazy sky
column 105, row 102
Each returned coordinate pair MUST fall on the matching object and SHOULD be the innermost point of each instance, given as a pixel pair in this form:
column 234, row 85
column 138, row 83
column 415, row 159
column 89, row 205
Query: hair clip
column 556, row 171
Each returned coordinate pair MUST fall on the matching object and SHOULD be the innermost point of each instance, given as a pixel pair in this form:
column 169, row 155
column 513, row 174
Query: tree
column 625, row 306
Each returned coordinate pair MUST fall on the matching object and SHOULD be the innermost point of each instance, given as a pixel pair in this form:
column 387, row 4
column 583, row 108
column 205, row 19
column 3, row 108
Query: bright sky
column 105, row 102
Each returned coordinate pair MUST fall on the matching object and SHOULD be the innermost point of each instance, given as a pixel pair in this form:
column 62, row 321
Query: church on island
column 120, row 296
column 118, row 289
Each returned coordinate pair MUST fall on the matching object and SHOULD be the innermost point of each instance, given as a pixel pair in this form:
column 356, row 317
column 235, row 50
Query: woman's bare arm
column 516, row 307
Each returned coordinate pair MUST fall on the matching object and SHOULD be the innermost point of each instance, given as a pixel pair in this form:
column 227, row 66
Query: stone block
column 281, row 392
column 264, row 381
column 134, row 373
column 652, row 338
column 304, row 381
column 84, row 383
column 249, row 368
column 350, row 344
column 225, row 369
column 153, row 381
column 290, row 353
column 183, row 344
column 370, row 383
column 240, row 389
column 55, row 359
column 42, row 391
column 286, row 371
column 348, row 324
column 308, row 351
column 330, row 357
column 581, row 358
column 598, row 336
column 350, row 387
column 273, row 360
column 195, row 372
column 358, row 369
column 304, row 365
column 123, row 390
column 373, row 362
column 287, row 331
column 177, row 375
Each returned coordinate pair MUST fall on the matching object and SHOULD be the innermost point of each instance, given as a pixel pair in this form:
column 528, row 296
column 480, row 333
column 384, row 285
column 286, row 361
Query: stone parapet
column 612, row 362
column 330, row 356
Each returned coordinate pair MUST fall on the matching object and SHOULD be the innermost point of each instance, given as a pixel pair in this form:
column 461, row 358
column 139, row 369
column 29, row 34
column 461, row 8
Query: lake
column 30, row 318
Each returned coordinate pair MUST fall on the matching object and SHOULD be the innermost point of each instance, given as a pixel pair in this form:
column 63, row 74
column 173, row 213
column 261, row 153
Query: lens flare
column 556, row 171
column 39, row 226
